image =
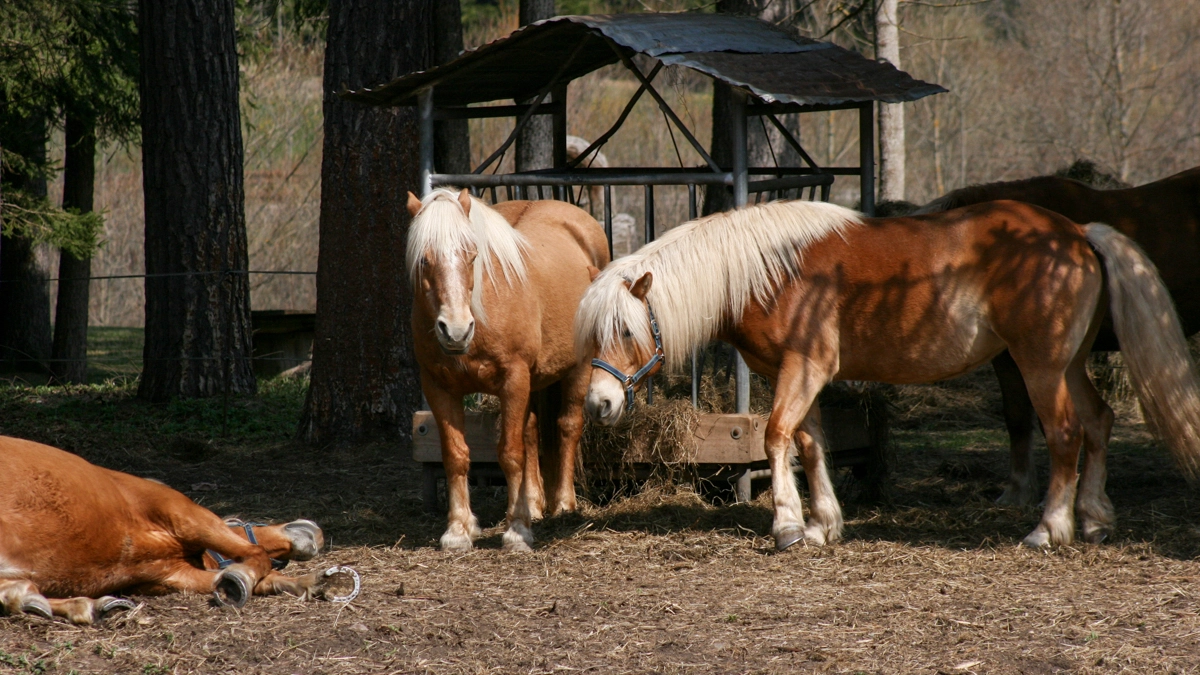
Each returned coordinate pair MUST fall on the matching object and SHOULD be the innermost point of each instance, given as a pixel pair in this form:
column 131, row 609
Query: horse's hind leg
column 1019, row 418
column 86, row 611
column 1095, row 510
column 21, row 596
column 1052, row 399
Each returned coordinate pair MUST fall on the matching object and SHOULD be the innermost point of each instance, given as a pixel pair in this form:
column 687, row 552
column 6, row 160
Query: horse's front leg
column 825, row 514
column 518, row 470
column 1019, row 418
column 463, row 526
column 796, row 389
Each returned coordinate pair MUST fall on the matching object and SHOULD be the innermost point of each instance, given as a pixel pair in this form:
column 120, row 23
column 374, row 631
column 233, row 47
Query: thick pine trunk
column 24, row 279
column 198, row 314
column 451, row 140
column 68, row 362
column 365, row 380
column 535, row 144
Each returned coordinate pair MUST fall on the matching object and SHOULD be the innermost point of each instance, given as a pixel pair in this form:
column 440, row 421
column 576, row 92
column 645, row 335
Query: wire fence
column 122, row 347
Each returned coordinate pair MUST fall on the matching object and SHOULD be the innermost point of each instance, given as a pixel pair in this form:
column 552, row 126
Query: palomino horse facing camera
column 812, row 292
column 71, row 533
column 495, row 293
column 1163, row 217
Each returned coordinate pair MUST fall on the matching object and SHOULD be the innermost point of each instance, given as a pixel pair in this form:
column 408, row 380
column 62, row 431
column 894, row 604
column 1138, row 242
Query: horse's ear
column 593, row 271
column 464, row 200
column 414, row 205
column 641, row 287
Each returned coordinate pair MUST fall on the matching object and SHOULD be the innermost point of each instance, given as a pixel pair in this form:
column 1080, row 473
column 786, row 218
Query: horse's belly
column 943, row 347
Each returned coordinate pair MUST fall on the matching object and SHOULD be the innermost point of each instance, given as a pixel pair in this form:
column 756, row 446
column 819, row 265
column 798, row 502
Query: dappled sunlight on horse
column 72, row 534
column 495, row 293
column 1163, row 217
column 810, row 293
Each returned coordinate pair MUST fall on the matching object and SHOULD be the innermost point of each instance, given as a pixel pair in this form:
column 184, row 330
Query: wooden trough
column 728, row 446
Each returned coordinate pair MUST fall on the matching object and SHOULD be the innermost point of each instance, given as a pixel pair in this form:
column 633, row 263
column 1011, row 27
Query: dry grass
column 663, row 580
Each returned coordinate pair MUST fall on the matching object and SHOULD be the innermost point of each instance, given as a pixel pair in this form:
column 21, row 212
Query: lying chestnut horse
column 1163, row 217
column 811, row 292
column 72, row 533
column 495, row 292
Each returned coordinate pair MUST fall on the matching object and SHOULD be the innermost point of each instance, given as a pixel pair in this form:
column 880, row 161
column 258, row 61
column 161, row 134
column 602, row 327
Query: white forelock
column 704, row 273
column 442, row 228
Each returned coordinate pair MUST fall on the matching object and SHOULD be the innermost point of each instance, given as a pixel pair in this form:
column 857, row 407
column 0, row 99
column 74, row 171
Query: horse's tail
column 1153, row 345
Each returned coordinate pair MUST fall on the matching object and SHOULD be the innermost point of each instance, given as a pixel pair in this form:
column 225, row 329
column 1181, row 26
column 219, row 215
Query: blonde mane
column 442, row 228
column 705, row 272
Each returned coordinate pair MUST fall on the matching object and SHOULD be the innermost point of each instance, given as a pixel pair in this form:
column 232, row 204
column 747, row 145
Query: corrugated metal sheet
column 741, row 51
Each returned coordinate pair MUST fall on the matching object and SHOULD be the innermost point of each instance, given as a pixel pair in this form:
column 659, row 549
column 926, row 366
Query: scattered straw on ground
column 663, row 581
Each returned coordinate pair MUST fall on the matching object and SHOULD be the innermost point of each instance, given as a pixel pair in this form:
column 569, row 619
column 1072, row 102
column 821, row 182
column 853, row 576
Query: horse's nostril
column 443, row 328
column 606, row 408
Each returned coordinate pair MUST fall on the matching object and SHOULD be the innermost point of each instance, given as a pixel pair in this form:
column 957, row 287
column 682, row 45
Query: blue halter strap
column 631, row 381
column 223, row 562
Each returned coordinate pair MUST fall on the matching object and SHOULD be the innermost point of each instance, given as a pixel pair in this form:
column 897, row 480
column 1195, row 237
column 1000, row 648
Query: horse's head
column 441, row 263
column 616, row 325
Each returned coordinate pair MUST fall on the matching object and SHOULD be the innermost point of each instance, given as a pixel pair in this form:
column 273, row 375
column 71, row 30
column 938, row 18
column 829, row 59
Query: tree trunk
column 197, row 317
column 451, row 138
column 68, row 362
column 719, row 198
column 535, row 144
column 24, row 280
column 891, row 115
column 365, row 380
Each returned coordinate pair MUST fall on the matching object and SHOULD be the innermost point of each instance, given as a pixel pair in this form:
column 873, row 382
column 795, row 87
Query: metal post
column 608, row 219
column 866, row 156
column 741, row 193
column 559, row 126
column 649, row 238
column 425, row 121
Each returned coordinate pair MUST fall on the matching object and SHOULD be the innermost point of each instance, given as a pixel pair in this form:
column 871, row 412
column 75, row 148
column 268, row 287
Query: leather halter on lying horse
column 223, row 562
column 630, row 382
column 279, row 563
column 74, row 535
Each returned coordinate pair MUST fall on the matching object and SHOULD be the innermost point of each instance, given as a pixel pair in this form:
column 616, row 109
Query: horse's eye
column 626, row 333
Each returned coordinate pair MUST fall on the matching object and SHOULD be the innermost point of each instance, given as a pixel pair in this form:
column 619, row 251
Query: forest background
column 1034, row 86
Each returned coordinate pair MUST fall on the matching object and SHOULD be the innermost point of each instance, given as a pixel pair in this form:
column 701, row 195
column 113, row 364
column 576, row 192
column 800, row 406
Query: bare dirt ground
column 933, row 581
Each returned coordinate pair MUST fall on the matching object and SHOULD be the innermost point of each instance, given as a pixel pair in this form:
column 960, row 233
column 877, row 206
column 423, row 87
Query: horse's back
column 935, row 295
column 563, row 241
column 556, row 224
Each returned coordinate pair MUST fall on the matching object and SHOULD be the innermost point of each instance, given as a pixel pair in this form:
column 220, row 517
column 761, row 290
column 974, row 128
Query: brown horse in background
column 811, row 292
column 1163, row 217
column 495, row 293
column 73, row 533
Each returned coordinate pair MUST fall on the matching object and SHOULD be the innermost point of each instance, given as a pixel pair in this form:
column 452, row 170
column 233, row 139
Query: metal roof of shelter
column 773, row 65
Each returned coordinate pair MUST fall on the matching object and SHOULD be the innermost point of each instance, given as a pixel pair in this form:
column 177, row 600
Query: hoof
column 785, row 539
column 232, row 588
column 456, row 543
column 306, row 537
column 1016, row 495
column 516, row 541
column 1039, row 539
column 109, row 604
column 37, row 604
column 339, row 584
column 1094, row 534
